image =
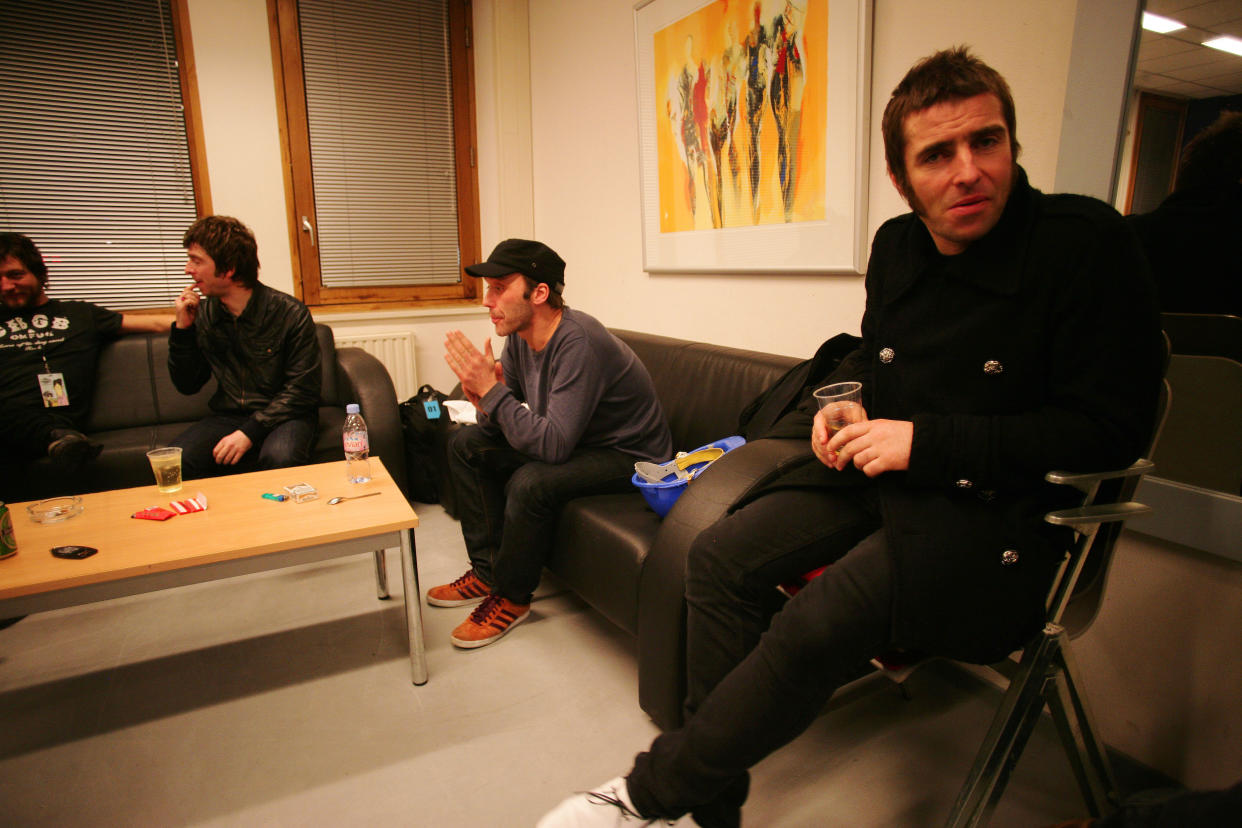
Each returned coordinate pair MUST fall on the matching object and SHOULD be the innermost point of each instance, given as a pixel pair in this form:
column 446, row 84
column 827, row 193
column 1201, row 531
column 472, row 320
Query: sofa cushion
column 328, row 445
column 123, row 386
column 601, row 542
column 329, row 392
column 702, row 387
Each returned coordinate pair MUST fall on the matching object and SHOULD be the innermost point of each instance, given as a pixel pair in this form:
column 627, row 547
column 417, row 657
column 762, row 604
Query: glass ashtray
column 55, row 509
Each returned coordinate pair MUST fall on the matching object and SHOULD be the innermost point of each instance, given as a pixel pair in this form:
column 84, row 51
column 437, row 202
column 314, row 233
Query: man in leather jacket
column 260, row 345
column 1006, row 332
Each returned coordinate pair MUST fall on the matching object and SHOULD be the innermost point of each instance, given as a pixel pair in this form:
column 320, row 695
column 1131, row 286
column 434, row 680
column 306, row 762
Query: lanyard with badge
column 51, row 384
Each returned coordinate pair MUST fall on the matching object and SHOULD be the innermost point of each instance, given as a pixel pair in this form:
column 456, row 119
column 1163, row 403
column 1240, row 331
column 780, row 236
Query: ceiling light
column 1162, row 25
column 1225, row 44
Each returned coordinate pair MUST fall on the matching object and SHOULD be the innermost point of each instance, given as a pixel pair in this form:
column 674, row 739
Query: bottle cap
column 351, row 408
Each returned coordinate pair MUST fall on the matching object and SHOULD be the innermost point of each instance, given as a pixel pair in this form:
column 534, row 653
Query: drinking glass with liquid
column 166, row 465
column 842, row 402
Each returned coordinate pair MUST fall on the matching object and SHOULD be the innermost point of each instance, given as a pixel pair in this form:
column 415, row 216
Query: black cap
column 530, row 258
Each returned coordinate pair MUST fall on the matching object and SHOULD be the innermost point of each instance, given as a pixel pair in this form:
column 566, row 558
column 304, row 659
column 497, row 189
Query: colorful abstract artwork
column 753, row 134
column 741, row 106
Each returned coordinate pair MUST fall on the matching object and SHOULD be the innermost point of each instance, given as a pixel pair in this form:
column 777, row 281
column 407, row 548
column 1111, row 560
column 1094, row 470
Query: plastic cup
column 843, row 402
column 166, row 464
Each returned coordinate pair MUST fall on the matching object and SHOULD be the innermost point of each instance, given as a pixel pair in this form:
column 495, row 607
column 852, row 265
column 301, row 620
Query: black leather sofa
column 628, row 563
column 136, row 408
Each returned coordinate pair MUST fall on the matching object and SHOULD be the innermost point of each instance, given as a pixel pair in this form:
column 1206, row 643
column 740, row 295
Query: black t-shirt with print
column 68, row 336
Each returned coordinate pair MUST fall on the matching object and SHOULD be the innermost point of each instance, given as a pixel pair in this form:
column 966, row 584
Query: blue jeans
column 288, row 444
column 750, row 691
column 508, row 504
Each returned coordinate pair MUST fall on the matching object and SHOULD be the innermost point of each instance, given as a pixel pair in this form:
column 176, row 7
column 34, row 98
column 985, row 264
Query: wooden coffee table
column 239, row 533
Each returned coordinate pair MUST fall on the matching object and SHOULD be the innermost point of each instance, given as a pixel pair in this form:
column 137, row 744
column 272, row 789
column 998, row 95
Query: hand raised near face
column 477, row 370
column 186, row 306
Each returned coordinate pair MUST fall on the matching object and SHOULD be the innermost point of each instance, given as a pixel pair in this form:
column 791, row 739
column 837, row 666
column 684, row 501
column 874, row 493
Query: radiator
column 395, row 350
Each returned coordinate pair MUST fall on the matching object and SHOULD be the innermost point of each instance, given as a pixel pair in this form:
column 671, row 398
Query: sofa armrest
column 661, row 588
column 364, row 379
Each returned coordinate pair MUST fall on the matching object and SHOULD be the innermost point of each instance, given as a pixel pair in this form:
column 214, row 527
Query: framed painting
column 753, row 133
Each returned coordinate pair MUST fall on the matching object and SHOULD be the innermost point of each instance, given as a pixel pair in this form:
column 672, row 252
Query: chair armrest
column 1085, row 480
column 364, row 379
column 661, row 588
column 1101, row 513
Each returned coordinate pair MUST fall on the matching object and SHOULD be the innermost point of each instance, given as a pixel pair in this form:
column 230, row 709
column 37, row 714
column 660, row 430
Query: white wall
column 236, row 89
column 586, row 164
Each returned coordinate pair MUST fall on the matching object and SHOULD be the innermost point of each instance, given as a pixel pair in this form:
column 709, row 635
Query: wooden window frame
column 299, row 181
column 197, row 145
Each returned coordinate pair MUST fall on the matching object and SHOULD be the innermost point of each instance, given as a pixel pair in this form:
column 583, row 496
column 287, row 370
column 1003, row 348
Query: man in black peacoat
column 1006, row 333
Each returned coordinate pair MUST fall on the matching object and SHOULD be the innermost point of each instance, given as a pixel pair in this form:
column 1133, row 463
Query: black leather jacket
column 266, row 361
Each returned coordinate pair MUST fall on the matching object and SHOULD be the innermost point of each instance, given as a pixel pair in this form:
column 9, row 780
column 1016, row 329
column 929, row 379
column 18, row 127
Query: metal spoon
column 337, row 500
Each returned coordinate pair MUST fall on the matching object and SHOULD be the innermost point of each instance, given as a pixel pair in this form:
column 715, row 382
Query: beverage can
column 8, row 541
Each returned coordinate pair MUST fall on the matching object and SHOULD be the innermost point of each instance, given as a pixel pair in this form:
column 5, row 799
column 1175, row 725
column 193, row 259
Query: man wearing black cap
column 565, row 413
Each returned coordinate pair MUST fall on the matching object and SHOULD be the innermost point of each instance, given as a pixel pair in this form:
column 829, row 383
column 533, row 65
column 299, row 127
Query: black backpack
column 425, row 426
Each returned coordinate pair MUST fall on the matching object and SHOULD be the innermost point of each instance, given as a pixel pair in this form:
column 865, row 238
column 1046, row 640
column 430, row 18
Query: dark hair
column 949, row 75
column 23, row 249
column 555, row 301
column 1213, row 158
column 230, row 244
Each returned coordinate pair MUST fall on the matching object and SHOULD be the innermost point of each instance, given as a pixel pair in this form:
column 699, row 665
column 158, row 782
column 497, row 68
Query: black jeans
column 750, row 691
column 288, row 444
column 508, row 503
column 28, row 431
column 25, row 437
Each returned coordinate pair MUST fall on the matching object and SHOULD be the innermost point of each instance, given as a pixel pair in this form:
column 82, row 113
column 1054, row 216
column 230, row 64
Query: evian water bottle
column 357, row 446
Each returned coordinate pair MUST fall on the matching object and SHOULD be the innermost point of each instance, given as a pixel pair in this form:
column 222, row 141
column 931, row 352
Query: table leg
column 413, row 608
column 381, row 575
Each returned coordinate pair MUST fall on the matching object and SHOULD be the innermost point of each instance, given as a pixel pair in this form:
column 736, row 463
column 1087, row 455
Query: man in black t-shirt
column 48, row 350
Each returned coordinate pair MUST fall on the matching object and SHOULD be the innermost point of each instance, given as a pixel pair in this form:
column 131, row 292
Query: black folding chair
column 1045, row 675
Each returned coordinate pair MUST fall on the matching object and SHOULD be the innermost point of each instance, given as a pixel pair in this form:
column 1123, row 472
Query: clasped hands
column 477, row 370
column 873, row 446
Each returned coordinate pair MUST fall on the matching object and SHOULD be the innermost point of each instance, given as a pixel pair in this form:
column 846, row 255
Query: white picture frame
column 835, row 242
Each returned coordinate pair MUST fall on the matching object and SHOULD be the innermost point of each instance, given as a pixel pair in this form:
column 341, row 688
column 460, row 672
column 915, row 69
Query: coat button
column 993, row 366
column 1009, row 557
column 886, row 355
column 964, row 484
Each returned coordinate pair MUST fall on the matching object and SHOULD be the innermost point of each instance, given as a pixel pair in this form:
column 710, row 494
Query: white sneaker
column 607, row 806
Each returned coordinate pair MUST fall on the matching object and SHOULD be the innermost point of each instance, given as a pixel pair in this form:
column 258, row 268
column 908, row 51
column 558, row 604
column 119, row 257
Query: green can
column 8, row 541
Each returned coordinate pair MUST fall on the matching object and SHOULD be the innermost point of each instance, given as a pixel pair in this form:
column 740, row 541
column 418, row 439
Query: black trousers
column 25, row 437
column 752, row 691
column 27, row 431
column 508, row 504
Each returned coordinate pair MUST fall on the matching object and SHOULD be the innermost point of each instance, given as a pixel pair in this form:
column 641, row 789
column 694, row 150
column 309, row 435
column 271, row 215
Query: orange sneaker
column 467, row 589
column 489, row 621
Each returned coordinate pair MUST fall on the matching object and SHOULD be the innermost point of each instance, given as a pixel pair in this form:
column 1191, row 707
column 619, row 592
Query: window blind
column 379, row 115
column 94, row 165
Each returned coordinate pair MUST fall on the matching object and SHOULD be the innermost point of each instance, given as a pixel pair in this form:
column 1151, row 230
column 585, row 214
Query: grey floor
column 284, row 699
